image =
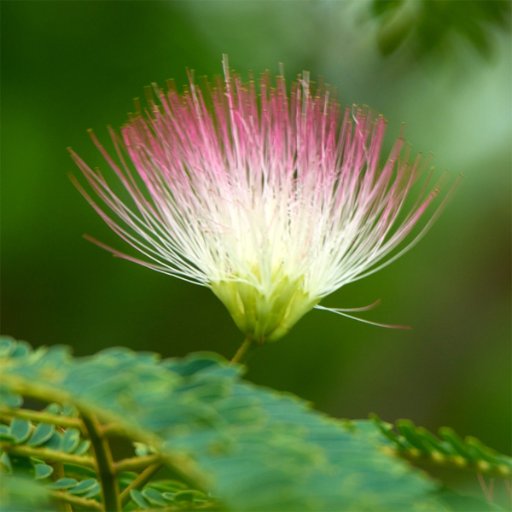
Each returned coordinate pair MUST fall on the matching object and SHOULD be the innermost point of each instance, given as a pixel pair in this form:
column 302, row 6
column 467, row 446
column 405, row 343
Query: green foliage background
column 68, row 66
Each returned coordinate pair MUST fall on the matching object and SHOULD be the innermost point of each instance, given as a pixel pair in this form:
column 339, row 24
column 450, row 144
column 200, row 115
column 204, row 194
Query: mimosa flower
column 271, row 199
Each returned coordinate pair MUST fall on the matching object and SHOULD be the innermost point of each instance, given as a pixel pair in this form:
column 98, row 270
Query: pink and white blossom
column 272, row 198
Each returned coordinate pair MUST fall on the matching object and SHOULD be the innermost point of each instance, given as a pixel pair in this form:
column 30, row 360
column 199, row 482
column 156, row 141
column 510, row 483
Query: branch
column 41, row 417
column 56, row 475
column 105, row 464
column 182, row 464
column 134, row 463
column 141, row 479
column 75, row 500
column 438, row 459
column 113, row 429
column 48, row 455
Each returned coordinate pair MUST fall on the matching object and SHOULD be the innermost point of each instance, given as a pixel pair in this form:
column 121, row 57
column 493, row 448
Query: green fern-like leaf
column 224, row 443
column 447, row 449
column 247, row 447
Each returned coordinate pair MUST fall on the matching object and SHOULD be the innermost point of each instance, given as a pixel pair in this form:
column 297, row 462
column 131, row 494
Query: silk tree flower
column 272, row 199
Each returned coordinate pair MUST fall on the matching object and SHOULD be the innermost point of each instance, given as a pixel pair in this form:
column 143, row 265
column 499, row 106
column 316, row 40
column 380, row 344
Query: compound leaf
column 228, row 441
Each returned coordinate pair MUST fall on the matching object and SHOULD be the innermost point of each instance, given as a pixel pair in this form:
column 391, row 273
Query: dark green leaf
column 5, row 434
column 85, row 486
column 139, row 499
column 42, row 433
column 168, row 485
column 78, row 471
column 42, row 471
column 189, row 495
column 20, row 430
column 9, row 399
column 63, row 483
column 93, row 492
column 70, row 440
column 82, row 447
column 53, row 408
column 153, row 496
column 54, row 442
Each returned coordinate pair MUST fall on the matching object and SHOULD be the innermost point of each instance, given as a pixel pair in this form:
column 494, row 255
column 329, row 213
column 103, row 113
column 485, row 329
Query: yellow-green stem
column 40, row 417
column 135, row 463
column 58, row 473
column 104, row 463
column 242, row 351
column 75, row 500
column 48, row 455
column 140, row 480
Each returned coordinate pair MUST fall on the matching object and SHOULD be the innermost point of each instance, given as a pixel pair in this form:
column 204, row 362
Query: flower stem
column 242, row 351
column 105, row 464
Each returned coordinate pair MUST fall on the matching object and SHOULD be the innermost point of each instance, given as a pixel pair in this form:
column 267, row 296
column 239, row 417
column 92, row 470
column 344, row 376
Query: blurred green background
column 443, row 68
